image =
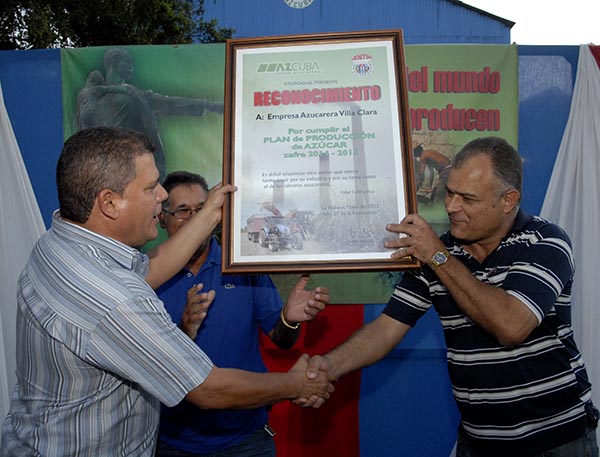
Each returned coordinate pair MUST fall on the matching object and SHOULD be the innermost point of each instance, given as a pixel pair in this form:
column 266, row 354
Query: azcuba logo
column 362, row 64
column 289, row 67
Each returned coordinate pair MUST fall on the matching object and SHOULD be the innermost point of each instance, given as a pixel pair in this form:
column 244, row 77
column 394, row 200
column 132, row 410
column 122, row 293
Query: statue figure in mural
column 112, row 101
column 88, row 97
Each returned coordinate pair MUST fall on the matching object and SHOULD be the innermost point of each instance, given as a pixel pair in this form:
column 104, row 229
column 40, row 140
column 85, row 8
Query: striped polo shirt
column 96, row 351
column 520, row 399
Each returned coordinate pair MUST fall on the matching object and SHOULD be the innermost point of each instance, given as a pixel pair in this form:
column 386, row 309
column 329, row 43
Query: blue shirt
column 521, row 399
column 243, row 304
column 96, row 351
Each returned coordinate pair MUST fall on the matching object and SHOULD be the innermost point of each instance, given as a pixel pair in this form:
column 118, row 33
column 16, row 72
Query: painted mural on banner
column 456, row 93
column 173, row 94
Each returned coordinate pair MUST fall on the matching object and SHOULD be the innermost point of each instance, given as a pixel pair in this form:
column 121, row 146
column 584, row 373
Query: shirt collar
column 213, row 258
column 126, row 256
column 521, row 221
column 214, row 255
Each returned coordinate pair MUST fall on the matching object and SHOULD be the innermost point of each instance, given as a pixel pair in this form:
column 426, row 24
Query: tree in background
column 41, row 24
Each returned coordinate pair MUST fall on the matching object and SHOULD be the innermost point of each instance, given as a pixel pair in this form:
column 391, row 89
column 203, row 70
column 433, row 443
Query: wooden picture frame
column 317, row 140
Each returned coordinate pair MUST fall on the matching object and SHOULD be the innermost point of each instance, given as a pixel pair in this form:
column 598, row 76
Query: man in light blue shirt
column 96, row 350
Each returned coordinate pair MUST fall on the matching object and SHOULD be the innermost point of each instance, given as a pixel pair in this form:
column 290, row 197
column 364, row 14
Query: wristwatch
column 439, row 258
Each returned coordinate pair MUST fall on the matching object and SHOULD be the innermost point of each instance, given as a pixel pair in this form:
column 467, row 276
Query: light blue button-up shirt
column 96, row 351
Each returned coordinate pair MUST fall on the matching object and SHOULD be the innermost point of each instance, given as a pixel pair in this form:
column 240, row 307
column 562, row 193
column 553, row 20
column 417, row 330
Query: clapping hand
column 304, row 305
column 196, row 309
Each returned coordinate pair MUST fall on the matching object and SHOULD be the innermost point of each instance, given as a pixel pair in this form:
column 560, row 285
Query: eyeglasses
column 183, row 214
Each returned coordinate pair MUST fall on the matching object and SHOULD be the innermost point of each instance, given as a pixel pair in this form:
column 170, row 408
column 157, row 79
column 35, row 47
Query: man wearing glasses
column 223, row 315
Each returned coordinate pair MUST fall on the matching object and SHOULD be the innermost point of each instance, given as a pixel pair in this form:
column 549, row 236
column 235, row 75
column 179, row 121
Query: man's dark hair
column 183, row 178
column 95, row 159
column 508, row 165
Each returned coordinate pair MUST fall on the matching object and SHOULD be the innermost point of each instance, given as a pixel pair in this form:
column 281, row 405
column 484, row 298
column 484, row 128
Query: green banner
column 175, row 93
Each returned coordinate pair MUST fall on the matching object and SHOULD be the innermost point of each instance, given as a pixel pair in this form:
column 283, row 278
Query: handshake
column 314, row 378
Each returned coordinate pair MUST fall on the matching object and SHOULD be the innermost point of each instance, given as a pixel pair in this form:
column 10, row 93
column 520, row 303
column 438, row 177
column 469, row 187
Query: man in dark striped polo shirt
column 500, row 281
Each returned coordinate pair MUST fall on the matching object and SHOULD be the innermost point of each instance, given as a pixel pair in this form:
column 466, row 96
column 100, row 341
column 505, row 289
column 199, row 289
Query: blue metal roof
column 422, row 21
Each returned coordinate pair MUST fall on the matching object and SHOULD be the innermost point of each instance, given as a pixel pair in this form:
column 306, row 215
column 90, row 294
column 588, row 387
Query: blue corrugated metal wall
column 422, row 21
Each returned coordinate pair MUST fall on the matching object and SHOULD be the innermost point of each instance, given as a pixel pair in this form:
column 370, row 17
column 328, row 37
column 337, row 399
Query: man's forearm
column 285, row 336
column 170, row 256
column 228, row 388
column 368, row 345
column 490, row 307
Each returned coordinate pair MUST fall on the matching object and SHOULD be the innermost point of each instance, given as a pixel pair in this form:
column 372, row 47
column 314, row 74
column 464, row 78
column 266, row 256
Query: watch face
column 439, row 258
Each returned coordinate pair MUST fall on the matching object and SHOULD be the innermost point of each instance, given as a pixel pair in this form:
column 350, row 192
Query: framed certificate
column 317, row 140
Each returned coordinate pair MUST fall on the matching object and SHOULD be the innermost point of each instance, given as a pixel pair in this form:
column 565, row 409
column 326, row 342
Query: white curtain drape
column 573, row 202
column 21, row 224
